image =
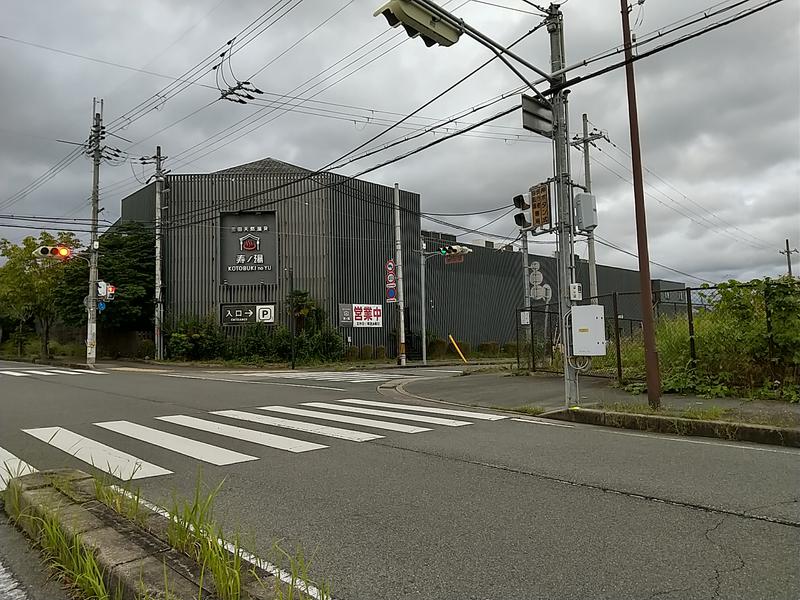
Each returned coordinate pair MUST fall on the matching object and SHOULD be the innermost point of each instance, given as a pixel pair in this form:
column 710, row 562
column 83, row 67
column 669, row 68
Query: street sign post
column 453, row 259
column 245, row 314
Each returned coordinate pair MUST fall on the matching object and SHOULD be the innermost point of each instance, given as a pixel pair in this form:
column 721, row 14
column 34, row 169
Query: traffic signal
column 110, row 291
column 419, row 20
column 540, row 205
column 520, row 219
column 451, row 250
column 60, row 252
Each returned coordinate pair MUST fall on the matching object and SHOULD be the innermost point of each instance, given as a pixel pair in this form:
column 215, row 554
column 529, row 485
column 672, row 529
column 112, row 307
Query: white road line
column 441, row 371
column 313, row 387
column 538, row 422
column 336, row 432
column 188, row 447
column 11, row 466
column 289, row 410
column 390, row 414
column 18, row 374
column 115, row 462
column 429, row 409
column 240, row 433
column 60, row 372
column 91, row 372
column 40, row 372
column 246, row 556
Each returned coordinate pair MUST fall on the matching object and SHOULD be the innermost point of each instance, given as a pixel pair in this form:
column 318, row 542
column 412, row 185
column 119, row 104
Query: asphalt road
column 472, row 509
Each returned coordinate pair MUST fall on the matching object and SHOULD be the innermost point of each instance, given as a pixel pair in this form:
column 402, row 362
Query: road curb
column 133, row 558
column 50, row 362
column 726, row 430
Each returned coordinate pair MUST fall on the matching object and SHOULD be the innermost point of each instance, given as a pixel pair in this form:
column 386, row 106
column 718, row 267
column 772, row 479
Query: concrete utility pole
column 788, row 254
column 159, row 312
column 584, row 143
column 645, row 285
column 555, row 26
column 96, row 149
column 398, row 259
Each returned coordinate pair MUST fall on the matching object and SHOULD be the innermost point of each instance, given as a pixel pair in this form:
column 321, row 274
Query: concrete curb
column 134, row 559
column 51, row 362
column 726, row 430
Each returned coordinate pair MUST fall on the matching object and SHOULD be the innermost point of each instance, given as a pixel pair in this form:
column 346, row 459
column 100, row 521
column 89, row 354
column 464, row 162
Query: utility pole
column 587, row 184
column 422, row 260
column 398, row 259
column 788, row 254
column 96, row 150
column 555, row 27
column 159, row 312
column 645, row 285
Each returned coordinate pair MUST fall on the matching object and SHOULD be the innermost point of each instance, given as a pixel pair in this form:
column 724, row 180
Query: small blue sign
column 101, row 306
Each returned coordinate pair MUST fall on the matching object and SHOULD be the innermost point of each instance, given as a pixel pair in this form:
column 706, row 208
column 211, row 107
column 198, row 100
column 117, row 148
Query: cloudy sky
column 719, row 114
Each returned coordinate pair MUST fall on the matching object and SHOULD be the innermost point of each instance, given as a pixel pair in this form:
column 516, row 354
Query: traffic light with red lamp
column 60, row 252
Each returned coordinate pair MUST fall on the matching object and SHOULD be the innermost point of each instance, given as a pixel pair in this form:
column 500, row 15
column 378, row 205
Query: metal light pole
column 645, row 285
column 422, row 260
column 398, row 259
column 91, row 320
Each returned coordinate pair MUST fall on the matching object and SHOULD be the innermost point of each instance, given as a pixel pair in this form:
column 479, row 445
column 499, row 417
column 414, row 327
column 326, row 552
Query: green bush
column 510, row 349
column 466, row 348
column 197, row 339
column 352, row 353
column 437, row 348
column 488, row 348
column 380, row 352
column 366, row 352
column 146, row 349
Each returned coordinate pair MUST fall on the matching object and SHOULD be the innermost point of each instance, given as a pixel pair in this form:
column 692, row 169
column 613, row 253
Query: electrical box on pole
column 588, row 330
column 585, row 211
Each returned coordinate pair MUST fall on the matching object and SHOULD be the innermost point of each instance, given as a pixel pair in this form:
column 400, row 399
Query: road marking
column 345, row 419
column 441, row 371
column 188, row 447
column 11, row 466
column 429, row 409
column 313, row 387
column 60, row 372
column 10, row 588
column 240, row 433
column 336, row 432
column 390, row 414
column 538, row 422
column 284, row 576
column 115, row 462
column 17, row 374
column 40, row 372
column 91, row 372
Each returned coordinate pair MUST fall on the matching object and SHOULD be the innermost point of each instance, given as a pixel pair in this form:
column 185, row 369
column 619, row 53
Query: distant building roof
column 265, row 166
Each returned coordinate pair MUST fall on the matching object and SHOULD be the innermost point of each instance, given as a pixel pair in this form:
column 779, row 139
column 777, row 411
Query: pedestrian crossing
column 47, row 372
column 354, row 422
column 339, row 376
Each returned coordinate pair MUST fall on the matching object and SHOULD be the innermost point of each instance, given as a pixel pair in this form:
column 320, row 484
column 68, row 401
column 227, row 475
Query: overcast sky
column 720, row 114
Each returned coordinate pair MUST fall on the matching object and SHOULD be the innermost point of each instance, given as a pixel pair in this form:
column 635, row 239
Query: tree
column 127, row 261
column 29, row 286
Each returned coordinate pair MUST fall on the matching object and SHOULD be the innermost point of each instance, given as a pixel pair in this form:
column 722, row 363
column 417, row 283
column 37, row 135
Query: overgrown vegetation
column 747, row 342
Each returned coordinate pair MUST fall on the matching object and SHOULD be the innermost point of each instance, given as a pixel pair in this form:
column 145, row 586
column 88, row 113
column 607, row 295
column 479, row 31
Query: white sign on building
column 367, row 315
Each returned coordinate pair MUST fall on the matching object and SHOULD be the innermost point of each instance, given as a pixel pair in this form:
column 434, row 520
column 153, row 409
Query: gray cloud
column 720, row 115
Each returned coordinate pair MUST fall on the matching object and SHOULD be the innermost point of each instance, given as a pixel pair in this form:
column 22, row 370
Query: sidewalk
column 545, row 392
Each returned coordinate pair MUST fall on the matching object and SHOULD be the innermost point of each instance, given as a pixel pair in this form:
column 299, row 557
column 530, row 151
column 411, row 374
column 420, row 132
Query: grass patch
column 708, row 413
column 527, row 409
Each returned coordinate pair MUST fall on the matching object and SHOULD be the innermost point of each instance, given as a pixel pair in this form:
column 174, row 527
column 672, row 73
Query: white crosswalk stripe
column 47, row 372
column 351, row 411
column 115, row 462
column 314, row 414
column 336, row 432
column 428, row 409
column 340, row 376
column 390, row 414
column 11, row 466
column 240, row 433
column 199, row 450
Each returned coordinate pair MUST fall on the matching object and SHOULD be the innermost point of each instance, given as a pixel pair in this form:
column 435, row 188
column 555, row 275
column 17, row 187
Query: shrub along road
column 395, row 501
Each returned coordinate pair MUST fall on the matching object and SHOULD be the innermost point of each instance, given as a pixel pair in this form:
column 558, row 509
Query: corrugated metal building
column 336, row 235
